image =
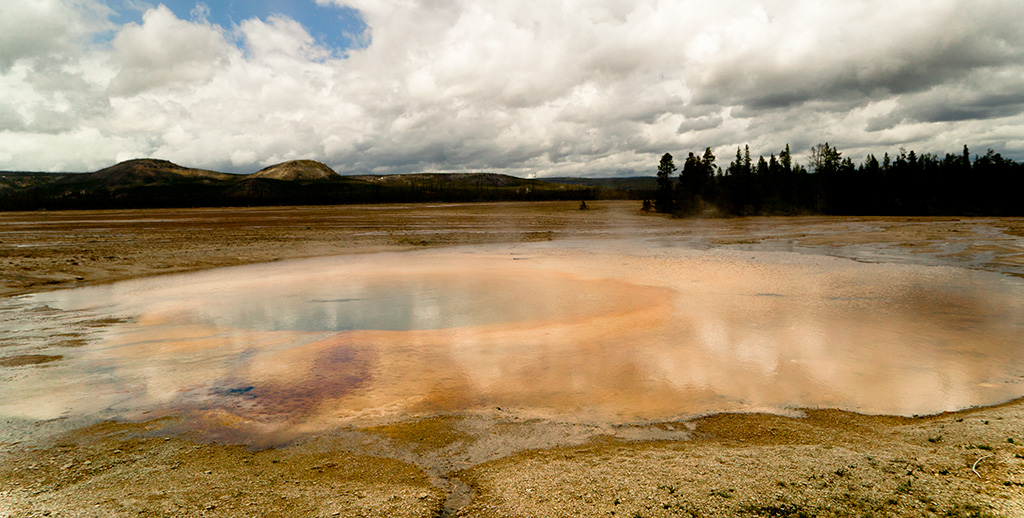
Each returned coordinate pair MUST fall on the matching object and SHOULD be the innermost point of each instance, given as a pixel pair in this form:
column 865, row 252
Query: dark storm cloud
column 845, row 67
column 951, row 103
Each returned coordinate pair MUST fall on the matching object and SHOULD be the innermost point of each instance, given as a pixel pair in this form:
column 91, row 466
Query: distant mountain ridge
column 148, row 182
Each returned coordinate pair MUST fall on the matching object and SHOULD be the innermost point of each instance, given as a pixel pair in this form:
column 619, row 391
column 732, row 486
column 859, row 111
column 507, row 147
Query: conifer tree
column 663, row 201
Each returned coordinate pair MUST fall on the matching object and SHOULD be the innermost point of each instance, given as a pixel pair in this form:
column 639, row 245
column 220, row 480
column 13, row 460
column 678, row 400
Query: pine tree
column 786, row 159
column 663, row 198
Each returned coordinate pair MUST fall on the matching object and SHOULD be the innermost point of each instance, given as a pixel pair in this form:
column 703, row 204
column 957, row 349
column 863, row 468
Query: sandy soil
column 825, row 463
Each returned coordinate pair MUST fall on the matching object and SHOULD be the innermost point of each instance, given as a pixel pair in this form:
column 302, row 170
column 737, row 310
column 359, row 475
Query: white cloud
column 200, row 13
column 545, row 87
column 166, row 52
column 42, row 27
column 280, row 41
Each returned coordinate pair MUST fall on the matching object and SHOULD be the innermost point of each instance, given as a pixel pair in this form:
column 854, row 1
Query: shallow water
column 595, row 331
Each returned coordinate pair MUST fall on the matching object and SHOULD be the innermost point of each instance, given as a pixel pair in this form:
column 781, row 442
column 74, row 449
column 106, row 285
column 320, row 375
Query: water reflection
column 593, row 332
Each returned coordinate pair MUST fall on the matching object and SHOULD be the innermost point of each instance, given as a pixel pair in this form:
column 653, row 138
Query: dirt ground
column 822, row 463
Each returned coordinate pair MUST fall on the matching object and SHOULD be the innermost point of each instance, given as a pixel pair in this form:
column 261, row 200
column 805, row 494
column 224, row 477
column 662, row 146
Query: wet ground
column 598, row 332
column 471, row 364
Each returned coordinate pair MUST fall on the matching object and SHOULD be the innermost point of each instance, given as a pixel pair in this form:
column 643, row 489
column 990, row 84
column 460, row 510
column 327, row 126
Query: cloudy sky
column 545, row 87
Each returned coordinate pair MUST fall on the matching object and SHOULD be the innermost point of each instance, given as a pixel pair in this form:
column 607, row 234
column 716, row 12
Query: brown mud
column 815, row 463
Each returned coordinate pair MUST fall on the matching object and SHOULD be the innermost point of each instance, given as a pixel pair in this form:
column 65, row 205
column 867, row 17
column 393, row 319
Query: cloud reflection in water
column 586, row 331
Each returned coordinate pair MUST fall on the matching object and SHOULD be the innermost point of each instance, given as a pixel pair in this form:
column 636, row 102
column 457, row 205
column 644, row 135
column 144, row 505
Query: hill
column 629, row 187
column 146, row 171
column 462, row 181
column 14, row 180
column 297, row 170
column 628, row 183
column 142, row 183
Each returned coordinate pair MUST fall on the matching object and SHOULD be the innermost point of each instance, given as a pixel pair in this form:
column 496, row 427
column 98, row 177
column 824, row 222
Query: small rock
column 423, row 495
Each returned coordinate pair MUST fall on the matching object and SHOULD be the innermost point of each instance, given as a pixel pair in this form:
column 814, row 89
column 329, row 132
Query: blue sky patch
column 339, row 28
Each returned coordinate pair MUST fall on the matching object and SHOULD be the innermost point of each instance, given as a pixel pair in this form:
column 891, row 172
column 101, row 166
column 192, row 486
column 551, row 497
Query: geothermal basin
column 604, row 332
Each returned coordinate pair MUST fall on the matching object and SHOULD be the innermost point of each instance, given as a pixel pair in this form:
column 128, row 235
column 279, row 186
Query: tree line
column 34, row 191
column 904, row 184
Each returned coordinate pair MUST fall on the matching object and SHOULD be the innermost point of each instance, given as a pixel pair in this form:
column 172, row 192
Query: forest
column 905, row 184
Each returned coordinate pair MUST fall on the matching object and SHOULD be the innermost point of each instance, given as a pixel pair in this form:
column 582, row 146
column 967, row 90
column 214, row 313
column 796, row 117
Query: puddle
column 610, row 333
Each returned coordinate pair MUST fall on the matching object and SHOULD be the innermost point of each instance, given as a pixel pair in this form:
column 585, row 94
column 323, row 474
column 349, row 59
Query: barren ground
column 827, row 463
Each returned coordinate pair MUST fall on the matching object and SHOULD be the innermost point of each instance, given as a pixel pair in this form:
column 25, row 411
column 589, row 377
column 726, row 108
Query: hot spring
column 622, row 331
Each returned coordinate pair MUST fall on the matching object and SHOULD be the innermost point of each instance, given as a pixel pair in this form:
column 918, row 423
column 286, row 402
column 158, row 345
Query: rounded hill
column 144, row 171
column 297, row 170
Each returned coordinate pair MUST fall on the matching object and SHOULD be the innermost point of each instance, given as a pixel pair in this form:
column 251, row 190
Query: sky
column 523, row 87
